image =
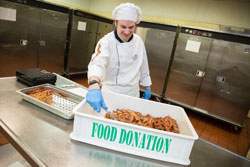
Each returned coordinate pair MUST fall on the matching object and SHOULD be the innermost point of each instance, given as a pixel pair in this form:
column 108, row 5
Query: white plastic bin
column 91, row 127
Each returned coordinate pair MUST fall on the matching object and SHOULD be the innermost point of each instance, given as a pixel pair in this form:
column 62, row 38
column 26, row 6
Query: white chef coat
column 120, row 66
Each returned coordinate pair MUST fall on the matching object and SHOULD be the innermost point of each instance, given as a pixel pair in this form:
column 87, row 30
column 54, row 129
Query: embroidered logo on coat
column 98, row 52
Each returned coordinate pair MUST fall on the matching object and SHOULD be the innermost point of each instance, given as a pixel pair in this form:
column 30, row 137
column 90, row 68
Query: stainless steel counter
column 9, row 156
column 44, row 137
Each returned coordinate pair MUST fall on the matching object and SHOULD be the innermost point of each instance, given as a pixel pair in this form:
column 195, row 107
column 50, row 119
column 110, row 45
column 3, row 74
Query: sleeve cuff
column 95, row 73
column 146, row 81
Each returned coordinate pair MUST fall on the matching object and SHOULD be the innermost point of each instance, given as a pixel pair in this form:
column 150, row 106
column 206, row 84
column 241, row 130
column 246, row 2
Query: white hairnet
column 127, row 11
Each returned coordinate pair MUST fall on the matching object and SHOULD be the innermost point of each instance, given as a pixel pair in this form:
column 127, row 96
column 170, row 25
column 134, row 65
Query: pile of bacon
column 44, row 94
column 133, row 117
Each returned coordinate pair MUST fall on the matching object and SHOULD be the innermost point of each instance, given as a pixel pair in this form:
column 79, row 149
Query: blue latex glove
column 95, row 99
column 147, row 94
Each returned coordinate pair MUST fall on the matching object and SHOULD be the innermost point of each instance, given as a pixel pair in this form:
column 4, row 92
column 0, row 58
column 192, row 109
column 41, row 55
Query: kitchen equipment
column 110, row 114
column 35, row 76
column 64, row 102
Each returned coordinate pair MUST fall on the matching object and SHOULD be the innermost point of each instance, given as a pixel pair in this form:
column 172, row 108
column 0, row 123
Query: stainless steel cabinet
column 36, row 39
column 225, row 89
column 103, row 29
column 52, row 40
column 82, row 44
column 187, row 70
column 18, row 39
column 158, row 45
column 213, row 66
column 215, row 80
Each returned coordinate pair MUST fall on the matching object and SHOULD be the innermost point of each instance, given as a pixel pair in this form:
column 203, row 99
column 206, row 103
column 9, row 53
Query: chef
column 119, row 63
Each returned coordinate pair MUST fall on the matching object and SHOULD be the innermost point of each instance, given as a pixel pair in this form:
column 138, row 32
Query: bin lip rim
column 194, row 137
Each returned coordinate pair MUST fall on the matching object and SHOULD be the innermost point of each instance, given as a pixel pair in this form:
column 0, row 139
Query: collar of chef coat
column 120, row 40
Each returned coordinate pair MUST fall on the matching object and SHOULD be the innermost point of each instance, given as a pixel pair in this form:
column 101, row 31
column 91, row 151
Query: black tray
column 35, row 76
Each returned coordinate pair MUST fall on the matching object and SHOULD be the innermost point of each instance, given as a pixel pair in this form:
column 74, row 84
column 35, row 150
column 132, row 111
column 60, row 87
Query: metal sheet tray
column 62, row 106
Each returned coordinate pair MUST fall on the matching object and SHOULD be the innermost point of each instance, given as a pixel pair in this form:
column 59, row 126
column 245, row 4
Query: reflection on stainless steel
column 158, row 45
column 110, row 158
column 69, row 86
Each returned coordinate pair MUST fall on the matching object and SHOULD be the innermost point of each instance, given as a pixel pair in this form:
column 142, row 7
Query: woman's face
column 125, row 29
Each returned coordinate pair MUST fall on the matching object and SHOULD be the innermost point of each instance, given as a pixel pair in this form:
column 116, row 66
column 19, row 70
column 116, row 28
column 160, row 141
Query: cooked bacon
column 129, row 116
column 45, row 95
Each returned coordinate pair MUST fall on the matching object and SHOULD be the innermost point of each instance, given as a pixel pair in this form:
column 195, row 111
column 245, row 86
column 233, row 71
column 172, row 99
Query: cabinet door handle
column 200, row 73
column 23, row 42
column 220, row 79
column 42, row 43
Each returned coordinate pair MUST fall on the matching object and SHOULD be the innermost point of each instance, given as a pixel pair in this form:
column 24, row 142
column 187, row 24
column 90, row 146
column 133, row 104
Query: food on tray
column 44, row 94
column 129, row 116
